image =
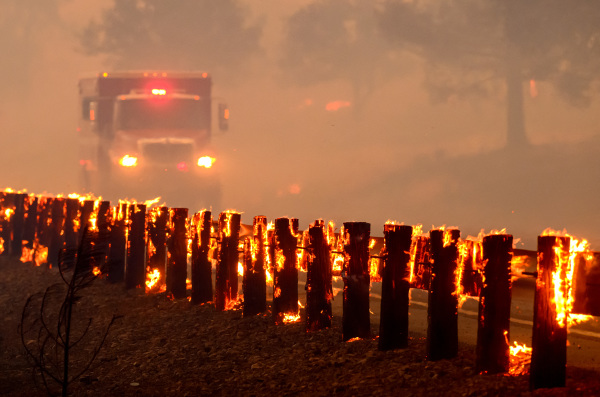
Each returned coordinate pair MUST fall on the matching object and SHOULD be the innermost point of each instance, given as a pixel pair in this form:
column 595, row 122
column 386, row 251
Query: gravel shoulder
column 163, row 347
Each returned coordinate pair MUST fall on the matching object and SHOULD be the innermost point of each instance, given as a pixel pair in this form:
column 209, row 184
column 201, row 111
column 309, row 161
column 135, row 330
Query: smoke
column 360, row 139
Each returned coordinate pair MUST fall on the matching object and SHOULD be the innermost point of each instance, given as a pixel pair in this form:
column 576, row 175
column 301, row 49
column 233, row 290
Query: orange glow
column 226, row 114
column 334, row 106
column 206, row 161
column 533, row 92
column 128, row 161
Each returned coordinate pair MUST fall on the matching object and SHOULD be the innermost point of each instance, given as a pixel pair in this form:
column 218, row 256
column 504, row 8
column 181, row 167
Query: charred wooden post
column 177, row 246
column 158, row 220
column 549, row 339
column 71, row 232
column 442, row 308
column 254, row 283
column 135, row 270
column 18, row 224
column 395, row 287
column 319, row 289
column 56, row 231
column 117, row 252
column 356, row 320
column 493, row 350
column 202, row 290
column 285, row 271
column 420, row 256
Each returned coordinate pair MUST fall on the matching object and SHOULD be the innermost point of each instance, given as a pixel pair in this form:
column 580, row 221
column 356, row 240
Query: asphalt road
column 583, row 339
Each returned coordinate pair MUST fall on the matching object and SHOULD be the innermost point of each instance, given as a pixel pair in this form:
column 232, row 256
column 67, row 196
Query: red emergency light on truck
column 147, row 134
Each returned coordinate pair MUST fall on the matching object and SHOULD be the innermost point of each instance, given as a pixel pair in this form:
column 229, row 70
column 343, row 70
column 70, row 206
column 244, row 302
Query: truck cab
column 148, row 134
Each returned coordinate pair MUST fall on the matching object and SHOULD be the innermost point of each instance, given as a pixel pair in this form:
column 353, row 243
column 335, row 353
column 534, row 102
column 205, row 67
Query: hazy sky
column 286, row 154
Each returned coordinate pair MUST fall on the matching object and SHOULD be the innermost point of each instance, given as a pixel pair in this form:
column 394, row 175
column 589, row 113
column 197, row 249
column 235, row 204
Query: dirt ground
column 161, row 347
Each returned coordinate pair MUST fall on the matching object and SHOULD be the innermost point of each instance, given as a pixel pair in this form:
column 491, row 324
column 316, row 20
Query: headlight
column 206, row 161
column 128, row 161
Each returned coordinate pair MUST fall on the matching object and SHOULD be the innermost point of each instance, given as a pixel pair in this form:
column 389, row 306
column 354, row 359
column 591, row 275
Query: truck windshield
column 161, row 113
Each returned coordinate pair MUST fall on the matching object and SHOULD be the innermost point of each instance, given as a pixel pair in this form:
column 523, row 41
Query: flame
column 519, row 359
column 374, row 269
column 8, row 213
column 152, row 278
column 41, row 255
column 289, row 318
column 562, row 277
column 96, row 271
column 150, row 203
column 26, row 253
column 1, row 245
column 240, row 269
column 518, row 264
column 336, row 249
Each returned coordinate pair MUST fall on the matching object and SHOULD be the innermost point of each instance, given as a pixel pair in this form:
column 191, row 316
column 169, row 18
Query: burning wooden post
column 356, row 322
column 71, row 232
column 85, row 212
column 29, row 228
column 442, row 308
column 18, row 224
column 103, row 227
column 319, row 289
column 117, row 253
column 226, row 283
column 549, row 339
column 285, row 272
column 202, row 290
column 158, row 219
column 56, row 231
column 395, row 287
column 6, row 203
column 254, row 283
column 44, row 231
column 493, row 350
column 177, row 248
column 135, row 270
column 421, row 263
column 471, row 261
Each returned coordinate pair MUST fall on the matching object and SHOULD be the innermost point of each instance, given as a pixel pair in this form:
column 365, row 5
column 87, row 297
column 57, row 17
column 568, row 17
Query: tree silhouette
column 474, row 47
column 337, row 39
column 162, row 34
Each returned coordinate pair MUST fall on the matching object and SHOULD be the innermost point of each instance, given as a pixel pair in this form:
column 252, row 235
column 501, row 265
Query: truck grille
column 167, row 152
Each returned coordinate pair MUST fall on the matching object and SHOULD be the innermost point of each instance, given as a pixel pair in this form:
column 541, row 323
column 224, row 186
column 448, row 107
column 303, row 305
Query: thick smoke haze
column 340, row 110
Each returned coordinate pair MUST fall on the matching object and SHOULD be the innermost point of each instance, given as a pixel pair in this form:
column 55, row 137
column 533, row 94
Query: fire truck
column 147, row 134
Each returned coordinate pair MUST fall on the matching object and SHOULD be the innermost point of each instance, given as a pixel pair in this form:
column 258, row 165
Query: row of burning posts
column 151, row 247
